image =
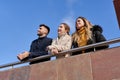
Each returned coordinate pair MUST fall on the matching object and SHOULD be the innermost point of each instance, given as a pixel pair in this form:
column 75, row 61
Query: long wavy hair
column 87, row 26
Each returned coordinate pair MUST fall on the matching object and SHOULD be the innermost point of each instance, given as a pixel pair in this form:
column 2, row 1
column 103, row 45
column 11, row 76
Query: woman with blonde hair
column 86, row 34
column 62, row 42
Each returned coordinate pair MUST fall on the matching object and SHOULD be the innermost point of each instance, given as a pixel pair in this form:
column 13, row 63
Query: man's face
column 42, row 31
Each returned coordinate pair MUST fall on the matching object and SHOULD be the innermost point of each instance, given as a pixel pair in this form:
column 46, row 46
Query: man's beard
column 39, row 34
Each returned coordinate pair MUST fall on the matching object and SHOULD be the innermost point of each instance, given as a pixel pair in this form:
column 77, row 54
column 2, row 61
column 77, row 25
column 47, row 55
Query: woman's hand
column 54, row 51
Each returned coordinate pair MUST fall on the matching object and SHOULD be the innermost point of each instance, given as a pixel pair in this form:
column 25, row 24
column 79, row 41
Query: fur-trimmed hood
column 97, row 28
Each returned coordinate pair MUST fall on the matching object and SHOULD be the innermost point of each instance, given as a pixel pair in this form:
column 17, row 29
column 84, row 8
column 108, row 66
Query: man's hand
column 23, row 55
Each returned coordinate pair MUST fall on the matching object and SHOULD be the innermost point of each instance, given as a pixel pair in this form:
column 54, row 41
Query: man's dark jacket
column 38, row 48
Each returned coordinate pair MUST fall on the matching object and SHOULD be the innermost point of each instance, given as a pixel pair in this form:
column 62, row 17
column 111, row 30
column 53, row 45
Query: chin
column 38, row 34
column 59, row 32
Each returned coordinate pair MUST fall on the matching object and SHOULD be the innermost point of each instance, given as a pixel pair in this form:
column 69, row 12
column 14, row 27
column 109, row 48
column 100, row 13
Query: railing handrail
column 64, row 52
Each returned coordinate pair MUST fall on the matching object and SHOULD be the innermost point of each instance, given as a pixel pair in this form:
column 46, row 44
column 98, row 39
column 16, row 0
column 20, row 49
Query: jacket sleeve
column 36, row 54
column 99, row 38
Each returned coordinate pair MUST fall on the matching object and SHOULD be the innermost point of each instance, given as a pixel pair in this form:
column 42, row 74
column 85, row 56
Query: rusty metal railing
column 63, row 52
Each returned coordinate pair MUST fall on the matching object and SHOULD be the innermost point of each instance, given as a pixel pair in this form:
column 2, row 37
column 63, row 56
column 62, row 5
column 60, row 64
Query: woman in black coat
column 86, row 34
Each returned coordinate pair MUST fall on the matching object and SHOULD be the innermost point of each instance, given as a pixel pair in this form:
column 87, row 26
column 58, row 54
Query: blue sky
column 19, row 21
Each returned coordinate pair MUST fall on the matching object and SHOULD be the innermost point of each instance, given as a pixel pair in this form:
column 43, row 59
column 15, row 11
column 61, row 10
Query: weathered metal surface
column 72, row 68
column 75, row 68
column 20, row 73
column 99, row 65
column 44, row 71
column 117, row 9
column 106, row 65
column 4, row 75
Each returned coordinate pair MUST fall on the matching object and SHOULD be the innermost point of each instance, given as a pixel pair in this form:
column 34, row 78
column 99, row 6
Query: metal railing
column 63, row 52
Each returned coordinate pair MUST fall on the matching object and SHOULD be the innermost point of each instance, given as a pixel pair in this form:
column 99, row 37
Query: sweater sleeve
column 64, row 45
column 68, row 43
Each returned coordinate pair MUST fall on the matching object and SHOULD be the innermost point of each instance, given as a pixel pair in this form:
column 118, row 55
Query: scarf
column 82, row 41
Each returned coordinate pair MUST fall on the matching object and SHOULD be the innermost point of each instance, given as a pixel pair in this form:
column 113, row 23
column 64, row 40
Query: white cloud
column 71, row 2
column 70, row 21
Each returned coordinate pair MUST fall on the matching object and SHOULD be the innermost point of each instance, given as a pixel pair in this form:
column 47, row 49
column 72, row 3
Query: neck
column 42, row 35
column 81, row 30
column 59, row 35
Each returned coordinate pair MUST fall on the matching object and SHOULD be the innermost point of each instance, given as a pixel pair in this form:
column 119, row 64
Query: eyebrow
column 40, row 27
column 60, row 26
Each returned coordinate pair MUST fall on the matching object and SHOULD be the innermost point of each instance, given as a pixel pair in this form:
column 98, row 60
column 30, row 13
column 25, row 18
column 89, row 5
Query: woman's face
column 79, row 23
column 61, row 29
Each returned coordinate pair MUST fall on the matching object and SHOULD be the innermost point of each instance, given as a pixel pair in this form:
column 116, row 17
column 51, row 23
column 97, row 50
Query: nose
column 37, row 29
column 59, row 28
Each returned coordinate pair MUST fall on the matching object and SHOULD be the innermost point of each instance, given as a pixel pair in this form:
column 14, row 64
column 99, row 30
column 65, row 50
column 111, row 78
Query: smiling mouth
column 59, row 30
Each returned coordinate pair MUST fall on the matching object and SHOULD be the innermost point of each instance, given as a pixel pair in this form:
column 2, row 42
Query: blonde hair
column 87, row 26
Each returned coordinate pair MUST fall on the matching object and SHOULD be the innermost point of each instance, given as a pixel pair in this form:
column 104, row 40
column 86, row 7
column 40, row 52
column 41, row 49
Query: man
column 38, row 46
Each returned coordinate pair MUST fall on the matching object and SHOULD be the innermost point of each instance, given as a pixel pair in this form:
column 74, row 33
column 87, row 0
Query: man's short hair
column 45, row 27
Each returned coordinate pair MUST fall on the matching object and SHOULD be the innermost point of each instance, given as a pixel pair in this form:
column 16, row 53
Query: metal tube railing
column 64, row 52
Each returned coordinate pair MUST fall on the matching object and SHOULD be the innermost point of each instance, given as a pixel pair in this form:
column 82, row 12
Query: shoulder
column 73, row 33
column 35, row 40
column 97, row 28
column 68, row 37
column 48, row 39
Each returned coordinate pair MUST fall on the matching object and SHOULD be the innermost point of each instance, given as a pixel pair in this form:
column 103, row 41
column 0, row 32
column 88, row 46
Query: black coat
column 96, row 38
